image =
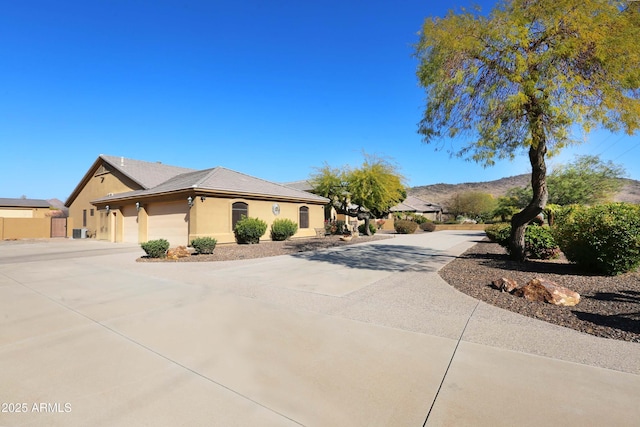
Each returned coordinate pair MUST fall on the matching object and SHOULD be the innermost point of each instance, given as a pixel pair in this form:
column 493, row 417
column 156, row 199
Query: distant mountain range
column 441, row 193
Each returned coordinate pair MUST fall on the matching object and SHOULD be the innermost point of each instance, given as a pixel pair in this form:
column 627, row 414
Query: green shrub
column 428, row 226
column 603, row 238
column 204, row 245
column 539, row 243
column 498, row 232
column 282, row 229
column 538, row 240
column 372, row 228
column 156, row 248
column 249, row 230
column 404, row 226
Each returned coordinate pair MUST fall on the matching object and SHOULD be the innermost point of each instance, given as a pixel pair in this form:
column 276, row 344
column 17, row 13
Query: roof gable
column 147, row 174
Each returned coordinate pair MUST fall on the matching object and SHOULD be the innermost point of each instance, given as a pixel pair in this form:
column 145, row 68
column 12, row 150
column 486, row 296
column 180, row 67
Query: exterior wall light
column 138, row 206
column 190, row 201
column 203, row 198
column 108, row 208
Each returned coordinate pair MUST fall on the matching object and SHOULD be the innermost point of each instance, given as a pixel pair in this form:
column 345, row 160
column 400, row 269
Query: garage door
column 130, row 224
column 169, row 221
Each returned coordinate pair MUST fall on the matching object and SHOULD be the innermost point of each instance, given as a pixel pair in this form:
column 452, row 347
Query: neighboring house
column 23, row 208
column 125, row 200
column 25, row 219
column 420, row 207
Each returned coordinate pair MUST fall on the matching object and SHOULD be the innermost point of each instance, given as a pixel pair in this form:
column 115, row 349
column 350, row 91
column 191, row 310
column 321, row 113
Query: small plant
column 249, row 230
column 372, row 228
column 155, row 248
column 404, row 226
column 499, row 232
column 428, row 226
column 204, row 245
column 336, row 227
column 603, row 238
column 282, row 229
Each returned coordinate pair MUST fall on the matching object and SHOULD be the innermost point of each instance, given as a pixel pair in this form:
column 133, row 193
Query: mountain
column 441, row 193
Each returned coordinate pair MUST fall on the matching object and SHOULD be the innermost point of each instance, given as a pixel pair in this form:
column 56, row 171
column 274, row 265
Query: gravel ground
column 229, row 252
column 609, row 306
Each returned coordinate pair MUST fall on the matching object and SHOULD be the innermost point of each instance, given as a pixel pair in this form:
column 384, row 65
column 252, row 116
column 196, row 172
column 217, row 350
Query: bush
column 539, row 243
column 249, row 230
column 498, row 233
column 428, row 226
column 282, row 229
column 603, row 238
column 204, row 245
column 538, row 240
column 372, row 228
column 404, row 226
column 156, row 248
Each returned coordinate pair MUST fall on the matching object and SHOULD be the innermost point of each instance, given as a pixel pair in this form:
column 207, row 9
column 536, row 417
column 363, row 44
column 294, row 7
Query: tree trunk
column 520, row 220
column 367, row 230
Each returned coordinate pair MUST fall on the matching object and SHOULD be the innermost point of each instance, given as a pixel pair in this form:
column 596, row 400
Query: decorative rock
column 179, row 252
column 505, row 284
column 545, row 290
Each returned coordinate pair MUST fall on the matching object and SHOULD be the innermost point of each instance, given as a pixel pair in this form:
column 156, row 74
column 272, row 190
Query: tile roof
column 147, row 174
column 415, row 204
column 223, row 180
column 24, row 203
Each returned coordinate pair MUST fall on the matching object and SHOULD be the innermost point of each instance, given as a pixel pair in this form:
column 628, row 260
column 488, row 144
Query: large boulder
column 545, row 290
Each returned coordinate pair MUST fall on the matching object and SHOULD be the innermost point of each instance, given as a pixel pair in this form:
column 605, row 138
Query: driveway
column 362, row 335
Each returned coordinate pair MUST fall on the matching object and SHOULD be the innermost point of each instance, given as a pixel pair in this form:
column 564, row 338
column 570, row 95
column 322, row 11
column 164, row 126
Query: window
column 238, row 210
column 84, row 217
column 304, row 217
column 91, row 212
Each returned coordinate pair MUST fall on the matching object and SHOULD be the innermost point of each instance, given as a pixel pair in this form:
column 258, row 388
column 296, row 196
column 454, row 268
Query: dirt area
column 609, row 306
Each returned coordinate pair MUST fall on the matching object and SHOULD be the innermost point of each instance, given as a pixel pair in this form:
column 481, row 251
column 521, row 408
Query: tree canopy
column 524, row 76
column 473, row 204
column 365, row 192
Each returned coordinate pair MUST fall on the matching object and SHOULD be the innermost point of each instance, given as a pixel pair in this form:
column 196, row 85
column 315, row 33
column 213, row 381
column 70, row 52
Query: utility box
column 79, row 233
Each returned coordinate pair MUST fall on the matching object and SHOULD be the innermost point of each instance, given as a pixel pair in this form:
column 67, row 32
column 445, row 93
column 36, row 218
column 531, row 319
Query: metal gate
column 58, row 227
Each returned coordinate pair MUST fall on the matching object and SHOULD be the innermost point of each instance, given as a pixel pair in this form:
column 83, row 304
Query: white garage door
column 130, row 224
column 169, row 221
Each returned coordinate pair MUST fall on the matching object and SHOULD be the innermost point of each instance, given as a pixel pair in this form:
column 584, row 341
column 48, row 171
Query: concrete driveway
column 364, row 335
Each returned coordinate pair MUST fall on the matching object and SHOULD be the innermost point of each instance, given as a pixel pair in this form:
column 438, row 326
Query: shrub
column 372, row 228
column 282, row 229
column 249, row 230
column 428, row 226
column 603, row 238
column 539, row 243
column 156, row 248
column 404, row 226
column 538, row 240
column 204, row 245
column 498, row 232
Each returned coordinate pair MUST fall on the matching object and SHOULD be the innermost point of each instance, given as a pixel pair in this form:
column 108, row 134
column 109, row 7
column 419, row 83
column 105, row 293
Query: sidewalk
column 361, row 335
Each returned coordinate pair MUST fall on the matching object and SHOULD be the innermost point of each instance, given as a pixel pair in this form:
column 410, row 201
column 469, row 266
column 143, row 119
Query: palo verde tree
column 365, row 192
column 524, row 77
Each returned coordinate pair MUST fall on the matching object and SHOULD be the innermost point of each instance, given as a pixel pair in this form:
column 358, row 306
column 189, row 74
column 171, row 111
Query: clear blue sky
column 269, row 88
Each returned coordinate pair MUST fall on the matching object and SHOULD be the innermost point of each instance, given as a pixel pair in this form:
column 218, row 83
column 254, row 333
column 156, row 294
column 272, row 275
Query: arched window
column 304, row 217
column 238, row 210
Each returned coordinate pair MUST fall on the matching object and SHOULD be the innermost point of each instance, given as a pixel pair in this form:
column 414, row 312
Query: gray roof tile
column 24, row 203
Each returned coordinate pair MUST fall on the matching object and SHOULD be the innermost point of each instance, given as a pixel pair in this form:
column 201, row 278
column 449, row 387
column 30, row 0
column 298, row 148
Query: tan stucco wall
column 212, row 217
column 25, row 228
column 18, row 212
column 96, row 187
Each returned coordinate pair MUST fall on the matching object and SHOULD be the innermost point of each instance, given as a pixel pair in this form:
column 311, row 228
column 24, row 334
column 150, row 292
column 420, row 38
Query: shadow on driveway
column 381, row 257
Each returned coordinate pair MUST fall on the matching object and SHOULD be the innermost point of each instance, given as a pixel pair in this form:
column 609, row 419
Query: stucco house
column 127, row 200
column 23, row 208
column 418, row 206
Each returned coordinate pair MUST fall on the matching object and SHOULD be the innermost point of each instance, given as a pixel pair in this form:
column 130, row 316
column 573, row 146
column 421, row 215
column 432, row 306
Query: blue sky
column 269, row 88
